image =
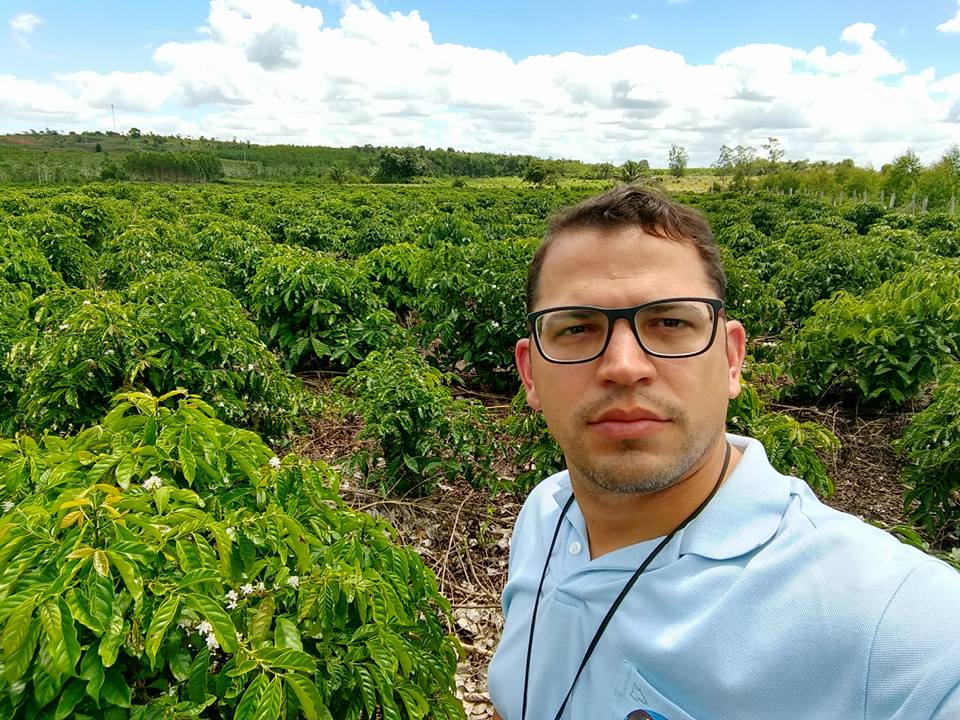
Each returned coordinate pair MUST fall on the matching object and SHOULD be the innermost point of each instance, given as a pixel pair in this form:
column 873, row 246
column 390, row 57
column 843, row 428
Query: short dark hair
column 630, row 205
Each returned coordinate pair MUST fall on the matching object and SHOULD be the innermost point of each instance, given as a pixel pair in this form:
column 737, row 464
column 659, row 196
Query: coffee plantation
column 161, row 348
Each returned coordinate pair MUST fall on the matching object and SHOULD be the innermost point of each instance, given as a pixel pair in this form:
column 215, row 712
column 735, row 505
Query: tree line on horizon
column 140, row 156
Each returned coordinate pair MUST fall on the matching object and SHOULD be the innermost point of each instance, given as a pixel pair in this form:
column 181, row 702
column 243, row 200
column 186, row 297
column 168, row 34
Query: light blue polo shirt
column 769, row 606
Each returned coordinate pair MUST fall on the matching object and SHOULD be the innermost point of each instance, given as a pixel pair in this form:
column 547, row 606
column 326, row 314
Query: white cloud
column 277, row 72
column 872, row 59
column 952, row 25
column 23, row 25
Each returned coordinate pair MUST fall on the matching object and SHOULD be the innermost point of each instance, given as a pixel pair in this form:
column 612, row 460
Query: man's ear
column 736, row 338
column 522, row 354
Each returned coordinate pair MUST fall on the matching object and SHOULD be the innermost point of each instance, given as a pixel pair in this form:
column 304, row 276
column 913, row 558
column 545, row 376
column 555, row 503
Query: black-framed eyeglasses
column 668, row 328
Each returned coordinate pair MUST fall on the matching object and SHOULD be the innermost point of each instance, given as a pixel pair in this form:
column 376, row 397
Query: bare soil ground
column 463, row 534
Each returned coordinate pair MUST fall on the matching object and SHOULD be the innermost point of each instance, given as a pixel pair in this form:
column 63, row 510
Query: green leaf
column 59, row 635
column 251, row 698
column 188, row 464
column 179, row 662
column 112, row 638
column 223, row 545
column 91, row 670
column 80, row 609
column 115, row 689
column 287, row 659
column 161, row 497
column 100, row 596
column 124, row 472
column 262, row 619
column 286, row 634
column 17, row 663
column 308, row 697
column 223, row 627
column 71, row 695
column 162, row 618
column 270, row 702
column 414, row 700
column 199, row 671
column 16, row 630
column 45, row 687
column 128, row 571
column 100, row 563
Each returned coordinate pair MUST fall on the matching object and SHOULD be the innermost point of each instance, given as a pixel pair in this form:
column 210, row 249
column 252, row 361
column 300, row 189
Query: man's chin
column 638, row 480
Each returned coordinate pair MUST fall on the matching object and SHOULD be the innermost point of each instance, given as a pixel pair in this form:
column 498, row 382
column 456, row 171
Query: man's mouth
column 627, row 423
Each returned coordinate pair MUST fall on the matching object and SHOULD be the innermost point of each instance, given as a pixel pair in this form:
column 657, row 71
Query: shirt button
column 575, row 548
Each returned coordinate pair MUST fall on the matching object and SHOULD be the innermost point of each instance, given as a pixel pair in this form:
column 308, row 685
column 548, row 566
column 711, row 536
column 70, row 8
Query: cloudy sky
column 607, row 80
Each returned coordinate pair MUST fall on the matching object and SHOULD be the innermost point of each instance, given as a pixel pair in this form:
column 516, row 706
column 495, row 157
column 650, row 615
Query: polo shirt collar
column 744, row 514
column 746, row 511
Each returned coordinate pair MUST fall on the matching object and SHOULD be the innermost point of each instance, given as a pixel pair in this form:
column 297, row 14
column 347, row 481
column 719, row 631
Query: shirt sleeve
column 914, row 662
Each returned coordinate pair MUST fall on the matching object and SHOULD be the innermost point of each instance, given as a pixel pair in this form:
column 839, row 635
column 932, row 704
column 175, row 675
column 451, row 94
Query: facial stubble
column 642, row 465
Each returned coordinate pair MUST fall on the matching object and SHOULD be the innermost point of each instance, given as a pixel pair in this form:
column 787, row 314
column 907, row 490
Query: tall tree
column 775, row 153
column 633, row 171
column 399, row 165
column 724, row 161
column 902, row 174
column 677, row 160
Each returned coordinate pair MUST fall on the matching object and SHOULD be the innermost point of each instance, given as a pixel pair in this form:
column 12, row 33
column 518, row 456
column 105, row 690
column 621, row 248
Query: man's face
column 628, row 422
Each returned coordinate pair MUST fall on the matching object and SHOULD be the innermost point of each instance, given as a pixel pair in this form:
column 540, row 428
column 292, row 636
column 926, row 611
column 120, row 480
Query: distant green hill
column 49, row 156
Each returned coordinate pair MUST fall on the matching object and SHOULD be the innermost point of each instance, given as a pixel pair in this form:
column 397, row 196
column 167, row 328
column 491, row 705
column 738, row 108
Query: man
column 671, row 572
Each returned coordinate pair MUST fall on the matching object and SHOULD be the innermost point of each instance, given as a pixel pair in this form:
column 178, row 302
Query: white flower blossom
column 86, row 302
column 204, row 627
column 152, row 483
column 246, row 589
column 293, row 581
column 260, row 586
column 231, row 598
column 64, row 326
column 8, row 506
column 203, row 331
column 231, row 533
column 212, row 642
column 274, row 462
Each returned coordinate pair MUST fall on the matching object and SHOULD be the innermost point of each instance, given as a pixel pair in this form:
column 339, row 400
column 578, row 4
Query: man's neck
column 616, row 520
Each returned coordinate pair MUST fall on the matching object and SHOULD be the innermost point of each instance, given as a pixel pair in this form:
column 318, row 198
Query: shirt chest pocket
column 633, row 694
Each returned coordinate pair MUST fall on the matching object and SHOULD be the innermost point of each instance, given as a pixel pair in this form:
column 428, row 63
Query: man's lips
column 627, row 423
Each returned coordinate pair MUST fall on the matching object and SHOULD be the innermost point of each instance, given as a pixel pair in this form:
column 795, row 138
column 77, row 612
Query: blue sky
column 609, row 80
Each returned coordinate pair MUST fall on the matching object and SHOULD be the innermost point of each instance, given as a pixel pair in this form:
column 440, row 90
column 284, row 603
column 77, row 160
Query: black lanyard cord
column 616, row 603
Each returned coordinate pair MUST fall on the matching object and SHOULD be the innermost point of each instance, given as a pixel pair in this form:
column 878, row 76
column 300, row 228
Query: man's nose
column 624, row 361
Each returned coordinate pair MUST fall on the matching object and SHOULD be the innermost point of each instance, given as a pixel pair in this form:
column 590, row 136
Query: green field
column 163, row 347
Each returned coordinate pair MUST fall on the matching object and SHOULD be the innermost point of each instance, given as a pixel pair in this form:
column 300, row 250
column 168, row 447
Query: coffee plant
column 415, row 433
column 22, row 261
column 318, row 311
column 535, row 454
column 793, row 447
column 58, row 238
column 931, row 447
column 202, row 339
column 884, row 346
column 164, row 564
column 470, row 307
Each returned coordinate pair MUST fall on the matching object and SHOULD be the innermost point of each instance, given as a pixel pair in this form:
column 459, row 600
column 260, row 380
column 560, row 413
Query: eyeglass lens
column 672, row 328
